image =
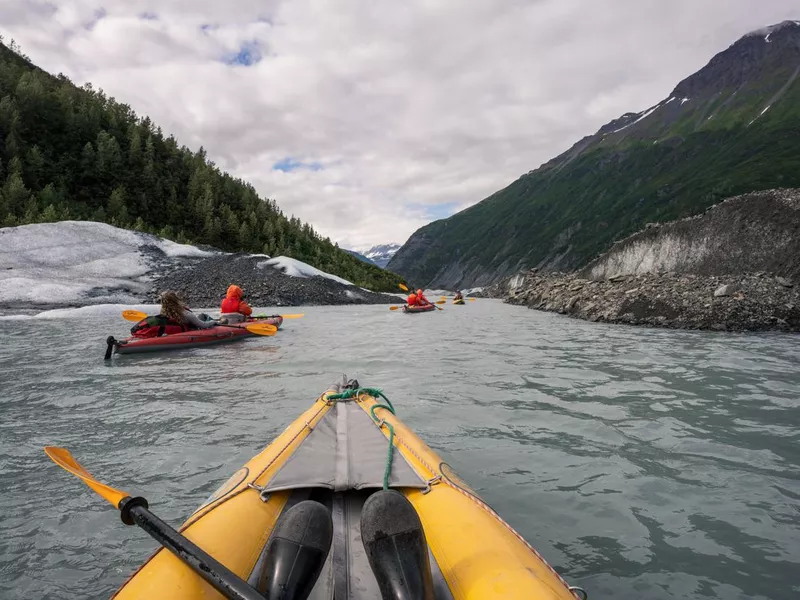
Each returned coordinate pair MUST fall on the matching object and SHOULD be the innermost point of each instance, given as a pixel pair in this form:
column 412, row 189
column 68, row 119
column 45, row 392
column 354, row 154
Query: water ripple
column 641, row 463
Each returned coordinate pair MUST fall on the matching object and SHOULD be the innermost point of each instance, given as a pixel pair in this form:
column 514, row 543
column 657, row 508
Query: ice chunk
column 296, row 268
column 79, row 262
column 174, row 249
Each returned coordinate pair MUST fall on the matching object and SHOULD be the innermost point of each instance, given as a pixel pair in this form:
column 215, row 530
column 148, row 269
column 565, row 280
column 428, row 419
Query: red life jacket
column 230, row 305
column 156, row 326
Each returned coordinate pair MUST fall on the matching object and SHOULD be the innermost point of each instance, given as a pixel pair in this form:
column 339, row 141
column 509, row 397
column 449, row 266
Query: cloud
column 370, row 118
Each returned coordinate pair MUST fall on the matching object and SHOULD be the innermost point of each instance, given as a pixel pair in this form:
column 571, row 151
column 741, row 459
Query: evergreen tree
column 75, row 153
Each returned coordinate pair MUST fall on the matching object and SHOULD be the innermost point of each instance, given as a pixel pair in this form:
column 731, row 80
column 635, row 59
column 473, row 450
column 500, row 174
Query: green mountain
column 732, row 127
column 74, row 153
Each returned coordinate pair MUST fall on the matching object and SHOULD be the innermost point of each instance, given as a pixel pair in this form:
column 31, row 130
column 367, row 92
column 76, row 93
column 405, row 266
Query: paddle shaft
column 225, row 581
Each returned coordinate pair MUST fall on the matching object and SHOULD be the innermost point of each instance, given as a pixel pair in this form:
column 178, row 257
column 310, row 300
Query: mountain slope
column 74, row 153
column 360, row 257
column 731, row 128
column 382, row 254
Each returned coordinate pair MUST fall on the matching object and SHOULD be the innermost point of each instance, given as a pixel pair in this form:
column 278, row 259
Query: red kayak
column 418, row 309
column 190, row 339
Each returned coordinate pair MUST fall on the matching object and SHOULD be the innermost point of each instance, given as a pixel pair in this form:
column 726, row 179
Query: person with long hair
column 174, row 317
column 173, row 309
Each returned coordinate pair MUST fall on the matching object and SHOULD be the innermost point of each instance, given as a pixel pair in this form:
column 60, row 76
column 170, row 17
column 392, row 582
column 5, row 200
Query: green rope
column 376, row 393
column 388, row 471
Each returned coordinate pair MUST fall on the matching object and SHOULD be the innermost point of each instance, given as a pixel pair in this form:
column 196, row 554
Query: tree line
column 75, row 153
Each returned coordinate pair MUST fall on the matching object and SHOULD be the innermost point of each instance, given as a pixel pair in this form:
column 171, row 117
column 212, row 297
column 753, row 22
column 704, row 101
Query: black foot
column 395, row 543
column 110, row 341
column 296, row 552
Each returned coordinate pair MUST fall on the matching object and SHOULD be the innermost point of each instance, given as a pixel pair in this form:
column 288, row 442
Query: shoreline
column 747, row 302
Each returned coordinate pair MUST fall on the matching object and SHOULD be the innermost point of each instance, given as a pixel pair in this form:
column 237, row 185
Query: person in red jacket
column 421, row 299
column 412, row 299
column 233, row 308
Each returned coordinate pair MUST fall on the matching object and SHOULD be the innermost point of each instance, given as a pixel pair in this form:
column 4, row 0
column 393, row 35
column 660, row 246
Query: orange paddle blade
column 65, row 460
column 133, row 315
column 261, row 329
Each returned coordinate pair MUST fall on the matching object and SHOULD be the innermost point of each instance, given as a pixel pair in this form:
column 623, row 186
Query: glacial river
column 643, row 464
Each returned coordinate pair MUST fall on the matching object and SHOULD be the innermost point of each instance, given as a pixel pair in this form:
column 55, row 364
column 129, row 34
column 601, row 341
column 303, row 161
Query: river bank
column 753, row 302
column 732, row 268
column 81, row 263
column 203, row 283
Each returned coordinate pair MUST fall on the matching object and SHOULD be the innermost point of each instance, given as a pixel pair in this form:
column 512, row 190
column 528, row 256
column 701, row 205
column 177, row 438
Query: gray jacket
column 191, row 319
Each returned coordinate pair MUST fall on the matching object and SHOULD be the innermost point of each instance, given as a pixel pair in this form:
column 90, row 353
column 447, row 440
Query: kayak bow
column 405, row 513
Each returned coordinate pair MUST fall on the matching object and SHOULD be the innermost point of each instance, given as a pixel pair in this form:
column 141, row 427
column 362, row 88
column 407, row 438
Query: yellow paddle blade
column 441, row 302
column 65, row 460
column 402, row 287
column 262, row 329
column 297, row 316
column 133, row 315
column 472, row 299
column 396, row 307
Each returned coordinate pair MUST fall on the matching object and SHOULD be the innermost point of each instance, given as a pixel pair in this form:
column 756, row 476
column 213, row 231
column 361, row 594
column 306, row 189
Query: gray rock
column 571, row 304
column 203, row 283
column 674, row 302
column 787, row 283
column 724, row 290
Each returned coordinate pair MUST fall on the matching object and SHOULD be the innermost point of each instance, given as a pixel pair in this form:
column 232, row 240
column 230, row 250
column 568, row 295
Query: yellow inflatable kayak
column 347, row 503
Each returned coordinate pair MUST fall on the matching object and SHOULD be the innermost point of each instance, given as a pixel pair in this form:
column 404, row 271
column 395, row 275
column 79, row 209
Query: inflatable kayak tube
column 190, row 339
column 459, row 302
column 418, row 309
column 329, row 469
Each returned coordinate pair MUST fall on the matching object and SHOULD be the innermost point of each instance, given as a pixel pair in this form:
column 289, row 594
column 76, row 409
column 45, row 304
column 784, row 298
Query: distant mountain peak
column 745, row 61
column 727, row 129
column 770, row 29
column 382, row 253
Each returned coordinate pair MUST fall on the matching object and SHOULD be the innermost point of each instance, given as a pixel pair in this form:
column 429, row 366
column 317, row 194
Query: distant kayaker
column 233, row 308
column 458, row 296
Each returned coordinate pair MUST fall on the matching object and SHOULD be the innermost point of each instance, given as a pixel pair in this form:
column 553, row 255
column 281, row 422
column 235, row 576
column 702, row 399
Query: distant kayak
column 402, row 523
column 190, row 339
column 459, row 302
column 418, row 309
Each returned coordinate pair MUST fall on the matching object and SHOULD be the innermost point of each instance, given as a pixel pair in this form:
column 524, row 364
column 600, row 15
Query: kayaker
column 421, row 299
column 173, row 318
column 412, row 299
column 233, row 308
column 173, row 309
column 458, row 296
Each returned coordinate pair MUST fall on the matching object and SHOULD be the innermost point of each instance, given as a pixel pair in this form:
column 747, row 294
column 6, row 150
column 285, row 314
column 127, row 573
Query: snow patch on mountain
column 296, row 268
column 382, row 254
column 766, row 32
column 86, row 263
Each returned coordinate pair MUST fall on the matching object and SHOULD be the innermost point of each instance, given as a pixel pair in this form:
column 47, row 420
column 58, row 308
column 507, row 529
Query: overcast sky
column 370, row 118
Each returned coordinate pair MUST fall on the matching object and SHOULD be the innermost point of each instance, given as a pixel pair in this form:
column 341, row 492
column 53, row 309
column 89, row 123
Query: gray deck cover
column 345, row 451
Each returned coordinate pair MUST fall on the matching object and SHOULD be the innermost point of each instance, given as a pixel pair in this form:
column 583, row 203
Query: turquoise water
column 641, row 463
